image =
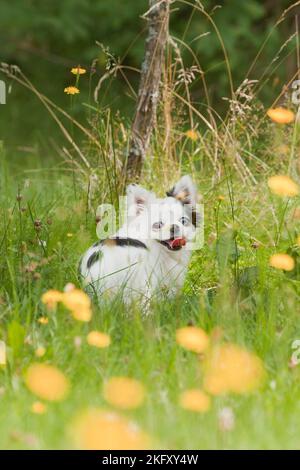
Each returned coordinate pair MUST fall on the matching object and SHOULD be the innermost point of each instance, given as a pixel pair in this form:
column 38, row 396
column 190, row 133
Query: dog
column 148, row 254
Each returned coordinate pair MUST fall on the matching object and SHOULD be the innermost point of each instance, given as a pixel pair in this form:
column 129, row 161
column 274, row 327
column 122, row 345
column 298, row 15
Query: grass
column 47, row 220
column 255, row 308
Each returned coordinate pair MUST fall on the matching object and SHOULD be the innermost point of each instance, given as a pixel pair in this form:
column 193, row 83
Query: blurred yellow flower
column 47, row 382
column 98, row 339
column 230, row 368
column 96, row 429
column 38, row 408
column 192, row 338
column 282, row 261
column 283, row 185
column 191, row 134
column 51, row 298
column 123, row 392
column 40, row 351
column 43, row 320
column 78, row 70
column 281, row 115
column 79, row 303
column 195, row 400
column 2, row 353
column 71, row 90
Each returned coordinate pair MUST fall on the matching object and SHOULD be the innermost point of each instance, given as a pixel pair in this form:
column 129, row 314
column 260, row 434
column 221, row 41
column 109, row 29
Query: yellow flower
column 69, row 235
column 192, row 338
column 71, row 90
column 78, row 70
column 281, row 115
column 195, row 400
column 191, row 134
column 40, row 351
column 230, row 368
column 124, row 393
column 79, row 304
column 51, row 298
column 2, row 353
column 98, row 339
column 38, row 408
column 43, row 320
column 282, row 261
column 47, row 382
column 283, row 186
column 96, row 429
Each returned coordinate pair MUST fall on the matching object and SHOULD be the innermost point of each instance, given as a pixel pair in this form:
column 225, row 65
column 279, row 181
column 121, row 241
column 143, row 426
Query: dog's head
column 170, row 221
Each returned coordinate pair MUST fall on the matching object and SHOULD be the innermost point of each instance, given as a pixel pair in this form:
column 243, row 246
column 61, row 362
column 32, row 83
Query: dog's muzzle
column 173, row 244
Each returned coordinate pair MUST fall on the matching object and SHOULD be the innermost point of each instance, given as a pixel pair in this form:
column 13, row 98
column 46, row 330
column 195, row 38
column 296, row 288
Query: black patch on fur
column 171, row 192
column 129, row 242
column 93, row 259
column 195, row 218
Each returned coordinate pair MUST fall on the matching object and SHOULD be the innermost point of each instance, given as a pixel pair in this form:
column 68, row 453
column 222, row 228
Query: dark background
column 47, row 37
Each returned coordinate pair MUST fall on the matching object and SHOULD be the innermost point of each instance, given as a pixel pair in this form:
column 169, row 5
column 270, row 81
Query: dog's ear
column 185, row 191
column 138, row 199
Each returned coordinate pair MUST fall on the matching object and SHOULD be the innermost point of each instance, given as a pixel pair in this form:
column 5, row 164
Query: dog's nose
column 175, row 230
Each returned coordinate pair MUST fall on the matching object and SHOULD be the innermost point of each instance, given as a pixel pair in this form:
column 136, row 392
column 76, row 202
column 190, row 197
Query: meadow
column 214, row 368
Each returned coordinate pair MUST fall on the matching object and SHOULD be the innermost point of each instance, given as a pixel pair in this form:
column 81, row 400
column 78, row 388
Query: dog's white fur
column 142, row 271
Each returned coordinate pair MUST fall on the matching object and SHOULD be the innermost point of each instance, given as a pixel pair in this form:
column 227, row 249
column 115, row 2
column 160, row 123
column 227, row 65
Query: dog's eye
column 157, row 225
column 184, row 221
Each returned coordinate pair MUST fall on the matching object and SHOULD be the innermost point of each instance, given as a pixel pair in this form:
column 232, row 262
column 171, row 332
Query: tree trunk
column 145, row 115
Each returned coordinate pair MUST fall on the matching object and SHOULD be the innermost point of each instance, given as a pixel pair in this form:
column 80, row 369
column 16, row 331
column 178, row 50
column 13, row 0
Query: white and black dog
column 147, row 254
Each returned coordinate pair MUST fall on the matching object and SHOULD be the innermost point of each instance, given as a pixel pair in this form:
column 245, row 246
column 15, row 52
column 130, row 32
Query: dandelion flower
column 282, row 261
column 79, row 304
column 38, row 408
column 47, row 382
column 230, row 368
column 71, row 90
column 43, row 320
column 281, row 115
column 96, row 429
column 191, row 134
column 192, row 338
column 195, row 400
column 123, row 392
column 283, row 185
column 98, row 339
column 40, row 351
column 78, row 70
column 51, row 298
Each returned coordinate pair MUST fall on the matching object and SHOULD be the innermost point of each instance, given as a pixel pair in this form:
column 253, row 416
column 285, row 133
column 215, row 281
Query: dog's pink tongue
column 178, row 242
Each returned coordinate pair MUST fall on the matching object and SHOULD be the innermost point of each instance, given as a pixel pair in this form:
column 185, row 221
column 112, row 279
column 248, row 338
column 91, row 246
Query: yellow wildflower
column 191, row 134
column 96, row 429
column 51, row 298
column 98, row 339
column 38, row 408
column 78, row 70
column 281, row 115
column 283, row 185
column 79, row 303
column 123, row 392
column 71, row 90
column 230, row 368
column 47, row 382
column 282, row 261
column 195, row 400
column 192, row 338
